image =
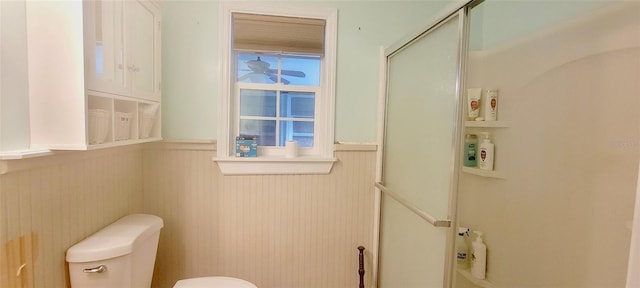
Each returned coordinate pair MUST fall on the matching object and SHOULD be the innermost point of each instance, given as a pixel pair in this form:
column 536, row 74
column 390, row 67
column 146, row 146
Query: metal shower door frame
column 461, row 11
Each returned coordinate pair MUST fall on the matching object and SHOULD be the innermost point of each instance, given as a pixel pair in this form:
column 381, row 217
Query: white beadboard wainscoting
column 277, row 231
column 49, row 203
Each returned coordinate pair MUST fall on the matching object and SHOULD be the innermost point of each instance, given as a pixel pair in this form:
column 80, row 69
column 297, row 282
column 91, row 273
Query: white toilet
column 214, row 282
column 123, row 254
column 120, row 255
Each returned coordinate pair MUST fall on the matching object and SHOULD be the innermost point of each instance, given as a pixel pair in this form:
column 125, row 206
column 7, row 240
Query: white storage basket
column 98, row 125
column 123, row 125
column 146, row 124
column 147, row 119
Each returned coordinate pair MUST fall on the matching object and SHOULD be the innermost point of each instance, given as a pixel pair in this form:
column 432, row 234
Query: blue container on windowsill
column 246, row 146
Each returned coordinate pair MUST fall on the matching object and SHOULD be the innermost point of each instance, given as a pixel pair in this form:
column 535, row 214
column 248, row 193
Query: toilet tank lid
column 115, row 240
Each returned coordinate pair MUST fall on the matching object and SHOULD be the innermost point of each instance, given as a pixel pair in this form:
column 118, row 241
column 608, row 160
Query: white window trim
column 304, row 164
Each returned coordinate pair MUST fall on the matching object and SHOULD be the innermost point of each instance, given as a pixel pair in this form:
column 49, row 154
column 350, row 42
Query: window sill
column 265, row 165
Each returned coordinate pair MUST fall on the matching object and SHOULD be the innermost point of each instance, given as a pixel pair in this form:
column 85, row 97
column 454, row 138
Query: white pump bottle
column 478, row 257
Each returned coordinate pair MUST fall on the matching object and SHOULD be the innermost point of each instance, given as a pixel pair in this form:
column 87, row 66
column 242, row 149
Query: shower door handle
column 433, row 221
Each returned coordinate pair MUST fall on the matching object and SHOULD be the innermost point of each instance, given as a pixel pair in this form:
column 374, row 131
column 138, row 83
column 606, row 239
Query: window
column 277, row 104
column 277, row 83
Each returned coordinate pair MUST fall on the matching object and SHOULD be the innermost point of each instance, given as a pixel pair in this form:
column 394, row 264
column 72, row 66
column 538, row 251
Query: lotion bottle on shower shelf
column 473, row 103
column 486, row 153
column 490, row 105
column 478, row 257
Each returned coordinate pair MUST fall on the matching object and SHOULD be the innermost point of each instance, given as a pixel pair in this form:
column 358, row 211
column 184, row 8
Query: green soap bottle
column 470, row 150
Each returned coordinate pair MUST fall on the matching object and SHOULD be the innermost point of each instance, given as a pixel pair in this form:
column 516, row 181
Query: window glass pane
column 264, row 129
column 99, row 59
column 257, row 103
column 301, row 131
column 297, row 104
column 257, row 68
column 301, row 70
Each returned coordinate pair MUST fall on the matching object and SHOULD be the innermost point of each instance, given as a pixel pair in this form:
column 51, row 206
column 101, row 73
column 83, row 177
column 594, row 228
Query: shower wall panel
column 570, row 155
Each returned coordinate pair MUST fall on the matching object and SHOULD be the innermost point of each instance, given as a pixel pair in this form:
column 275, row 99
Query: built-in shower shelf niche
column 470, row 125
column 483, row 173
column 478, row 282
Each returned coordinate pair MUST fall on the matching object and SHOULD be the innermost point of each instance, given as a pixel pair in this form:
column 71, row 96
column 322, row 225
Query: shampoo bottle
column 490, row 105
column 462, row 250
column 478, row 257
column 486, row 153
column 473, row 102
column 470, row 151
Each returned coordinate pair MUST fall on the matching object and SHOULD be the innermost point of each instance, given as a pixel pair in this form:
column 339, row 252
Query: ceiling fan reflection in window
column 258, row 68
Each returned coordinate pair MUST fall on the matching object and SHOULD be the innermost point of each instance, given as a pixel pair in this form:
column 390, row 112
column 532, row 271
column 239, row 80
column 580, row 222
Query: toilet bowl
column 214, row 282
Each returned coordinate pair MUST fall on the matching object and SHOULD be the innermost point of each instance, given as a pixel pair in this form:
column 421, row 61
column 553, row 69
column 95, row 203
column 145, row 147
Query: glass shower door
column 419, row 158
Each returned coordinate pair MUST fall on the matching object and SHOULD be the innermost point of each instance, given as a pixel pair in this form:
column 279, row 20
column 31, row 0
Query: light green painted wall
column 190, row 62
column 189, row 69
column 365, row 26
column 14, row 90
column 190, row 59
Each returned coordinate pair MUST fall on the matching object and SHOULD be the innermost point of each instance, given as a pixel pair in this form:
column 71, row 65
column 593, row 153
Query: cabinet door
column 144, row 49
column 105, row 47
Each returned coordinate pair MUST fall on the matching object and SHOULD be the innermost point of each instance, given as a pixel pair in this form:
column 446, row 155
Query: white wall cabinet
column 89, row 58
column 122, row 48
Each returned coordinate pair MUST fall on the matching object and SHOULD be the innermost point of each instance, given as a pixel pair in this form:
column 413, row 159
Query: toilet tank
column 120, row 255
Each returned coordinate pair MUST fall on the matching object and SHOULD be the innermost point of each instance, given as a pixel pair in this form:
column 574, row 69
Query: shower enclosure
column 557, row 210
column 420, row 159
